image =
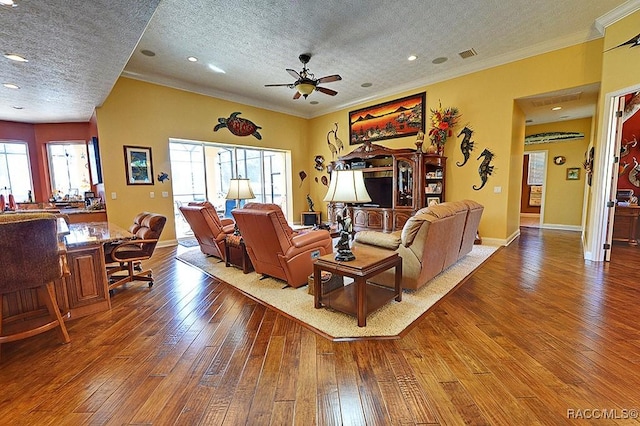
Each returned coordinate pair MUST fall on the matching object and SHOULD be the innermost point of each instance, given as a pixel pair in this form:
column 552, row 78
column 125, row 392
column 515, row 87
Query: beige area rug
column 388, row 321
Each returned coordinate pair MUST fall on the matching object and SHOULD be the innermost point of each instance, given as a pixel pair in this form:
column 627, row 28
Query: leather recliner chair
column 433, row 239
column 208, row 228
column 274, row 248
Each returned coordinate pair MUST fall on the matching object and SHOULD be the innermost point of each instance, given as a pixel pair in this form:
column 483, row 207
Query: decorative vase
column 432, row 149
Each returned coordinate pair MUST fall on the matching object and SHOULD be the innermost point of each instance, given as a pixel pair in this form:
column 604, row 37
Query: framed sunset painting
column 393, row 119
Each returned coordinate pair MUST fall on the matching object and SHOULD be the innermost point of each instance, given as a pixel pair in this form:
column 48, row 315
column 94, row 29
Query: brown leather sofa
column 432, row 240
column 208, row 228
column 274, row 248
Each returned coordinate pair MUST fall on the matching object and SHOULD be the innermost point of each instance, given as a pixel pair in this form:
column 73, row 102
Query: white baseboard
column 575, row 228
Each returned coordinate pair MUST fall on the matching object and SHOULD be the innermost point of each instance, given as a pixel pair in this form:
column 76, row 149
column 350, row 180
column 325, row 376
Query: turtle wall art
column 238, row 126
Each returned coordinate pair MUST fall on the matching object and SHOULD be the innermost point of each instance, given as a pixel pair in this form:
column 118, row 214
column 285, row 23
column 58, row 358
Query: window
column 536, row 168
column 202, row 171
column 69, row 168
column 15, row 171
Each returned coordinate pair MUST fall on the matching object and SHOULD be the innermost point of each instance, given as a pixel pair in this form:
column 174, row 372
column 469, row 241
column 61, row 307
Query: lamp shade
column 240, row 189
column 305, row 88
column 347, row 186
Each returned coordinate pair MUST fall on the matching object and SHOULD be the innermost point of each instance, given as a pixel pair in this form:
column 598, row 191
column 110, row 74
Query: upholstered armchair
column 433, row 239
column 208, row 228
column 125, row 255
column 274, row 248
column 31, row 258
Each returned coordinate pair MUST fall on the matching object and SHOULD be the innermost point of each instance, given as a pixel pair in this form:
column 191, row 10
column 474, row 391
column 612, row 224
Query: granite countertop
column 73, row 210
column 81, row 234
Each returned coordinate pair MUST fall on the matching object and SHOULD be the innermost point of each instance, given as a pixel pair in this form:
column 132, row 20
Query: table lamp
column 239, row 189
column 346, row 186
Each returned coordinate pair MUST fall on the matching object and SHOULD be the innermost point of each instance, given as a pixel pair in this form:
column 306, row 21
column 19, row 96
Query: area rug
column 188, row 242
column 389, row 321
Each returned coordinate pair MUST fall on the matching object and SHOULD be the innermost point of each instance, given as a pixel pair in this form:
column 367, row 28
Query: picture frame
column 94, row 160
column 138, row 165
column 573, row 173
column 432, row 201
column 394, row 119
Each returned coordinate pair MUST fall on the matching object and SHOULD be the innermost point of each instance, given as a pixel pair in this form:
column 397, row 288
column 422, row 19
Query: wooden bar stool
column 31, row 258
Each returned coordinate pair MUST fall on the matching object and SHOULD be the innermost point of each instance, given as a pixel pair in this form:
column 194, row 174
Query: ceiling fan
column 306, row 81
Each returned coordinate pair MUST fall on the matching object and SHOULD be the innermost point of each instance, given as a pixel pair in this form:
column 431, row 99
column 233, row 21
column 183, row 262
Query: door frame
column 607, row 151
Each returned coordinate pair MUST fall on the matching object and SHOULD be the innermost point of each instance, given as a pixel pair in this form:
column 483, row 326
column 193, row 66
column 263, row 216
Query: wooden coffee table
column 358, row 298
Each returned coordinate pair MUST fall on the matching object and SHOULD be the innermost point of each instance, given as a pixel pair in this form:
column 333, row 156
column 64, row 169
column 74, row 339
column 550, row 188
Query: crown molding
column 616, row 14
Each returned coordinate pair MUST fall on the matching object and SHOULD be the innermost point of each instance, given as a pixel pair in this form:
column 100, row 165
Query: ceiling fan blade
column 297, row 95
column 326, row 91
column 293, row 73
column 284, row 84
column 329, row 79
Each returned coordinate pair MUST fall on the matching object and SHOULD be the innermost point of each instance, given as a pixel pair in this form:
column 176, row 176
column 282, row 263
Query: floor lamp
column 239, row 189
column 346, row 186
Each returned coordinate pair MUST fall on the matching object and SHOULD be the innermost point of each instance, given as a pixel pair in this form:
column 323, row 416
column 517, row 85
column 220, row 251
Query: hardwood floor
column 535, row 336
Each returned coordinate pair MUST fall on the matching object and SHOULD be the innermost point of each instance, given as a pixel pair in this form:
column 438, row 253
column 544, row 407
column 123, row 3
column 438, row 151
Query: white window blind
column 536, row 168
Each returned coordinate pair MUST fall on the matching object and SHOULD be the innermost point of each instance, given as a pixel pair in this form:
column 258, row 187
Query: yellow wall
column 564, row 199
column 144, row 114
column 486, row 102
column 137, row 113
column 619, row 72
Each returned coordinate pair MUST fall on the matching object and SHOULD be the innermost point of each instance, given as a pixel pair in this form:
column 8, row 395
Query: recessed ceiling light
column 10, row 86
column 564, row 116
column 216, row 69
column 314, row 102
column 366, row 85
column 556, row 108
column 439, row 60
column 192, row 59
column 15, row 57
column 412, row 58
column 17, row 107
column 147, row 52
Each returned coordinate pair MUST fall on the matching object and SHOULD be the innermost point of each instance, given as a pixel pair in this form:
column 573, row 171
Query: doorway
column 534, row 165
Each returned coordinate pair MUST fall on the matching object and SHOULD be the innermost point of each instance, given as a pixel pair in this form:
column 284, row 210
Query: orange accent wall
column 37, row 136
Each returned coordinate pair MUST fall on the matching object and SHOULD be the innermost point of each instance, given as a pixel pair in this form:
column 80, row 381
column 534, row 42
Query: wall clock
column 559, row 160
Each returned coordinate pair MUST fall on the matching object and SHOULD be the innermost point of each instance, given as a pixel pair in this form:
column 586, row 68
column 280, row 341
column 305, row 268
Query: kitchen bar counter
column 72, row 215
column 86, row 290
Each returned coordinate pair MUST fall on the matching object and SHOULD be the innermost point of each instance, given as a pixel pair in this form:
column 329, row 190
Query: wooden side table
column 235, row 253
column 311, row 218
column 358, row 298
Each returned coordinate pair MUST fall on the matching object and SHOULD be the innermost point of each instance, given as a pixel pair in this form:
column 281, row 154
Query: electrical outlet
column 497, row 189
column 113, row 196
column 165, row 194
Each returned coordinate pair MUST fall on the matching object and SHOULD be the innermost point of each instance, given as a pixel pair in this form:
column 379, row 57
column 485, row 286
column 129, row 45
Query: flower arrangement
column 442, row 123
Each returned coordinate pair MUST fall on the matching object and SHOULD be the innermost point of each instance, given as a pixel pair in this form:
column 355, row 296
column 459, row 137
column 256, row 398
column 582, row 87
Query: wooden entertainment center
column 399, row 181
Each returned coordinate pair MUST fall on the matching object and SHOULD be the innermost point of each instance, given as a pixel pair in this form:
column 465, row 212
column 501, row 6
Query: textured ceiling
column 77, row 49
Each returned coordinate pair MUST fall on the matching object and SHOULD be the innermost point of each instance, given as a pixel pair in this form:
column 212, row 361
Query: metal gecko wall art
column 486, row 169
column 466, row 146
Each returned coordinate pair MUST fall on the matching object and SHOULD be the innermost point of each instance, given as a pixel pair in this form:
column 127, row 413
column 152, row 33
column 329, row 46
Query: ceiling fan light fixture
column 305, row 89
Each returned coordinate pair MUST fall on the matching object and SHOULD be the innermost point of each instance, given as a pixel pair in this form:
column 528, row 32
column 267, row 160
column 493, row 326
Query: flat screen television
column 381, row 190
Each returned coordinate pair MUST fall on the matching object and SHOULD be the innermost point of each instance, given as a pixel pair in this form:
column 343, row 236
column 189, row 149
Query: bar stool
column 31, row 258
